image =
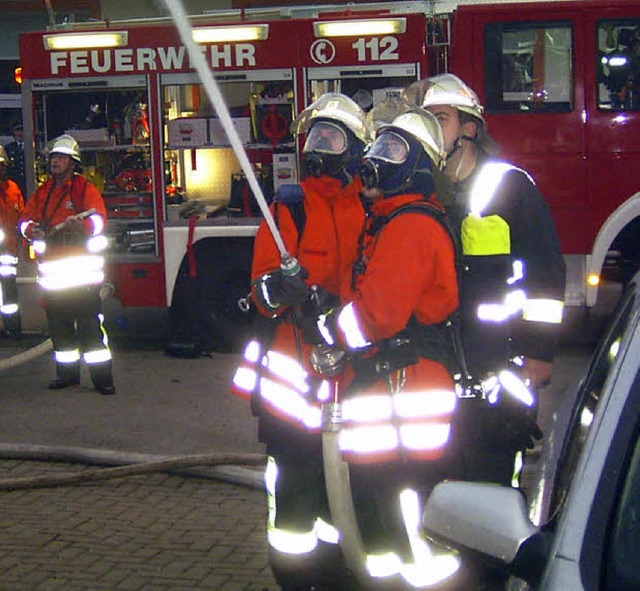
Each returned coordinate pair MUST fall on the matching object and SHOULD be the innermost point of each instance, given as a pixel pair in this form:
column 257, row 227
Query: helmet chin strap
column 457, row 144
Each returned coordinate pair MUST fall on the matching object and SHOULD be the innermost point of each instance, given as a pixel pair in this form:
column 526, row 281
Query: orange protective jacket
column 410, row 270
column 327, row 248
column 11, row 206
column 51, row 205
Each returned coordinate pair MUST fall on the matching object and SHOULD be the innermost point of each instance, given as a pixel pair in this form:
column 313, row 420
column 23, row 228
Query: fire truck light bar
column 359, row 27
column 85, row 40
column 233, row 33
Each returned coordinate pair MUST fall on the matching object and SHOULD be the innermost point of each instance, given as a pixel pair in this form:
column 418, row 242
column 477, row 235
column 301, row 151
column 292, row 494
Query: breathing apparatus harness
column 439, row 342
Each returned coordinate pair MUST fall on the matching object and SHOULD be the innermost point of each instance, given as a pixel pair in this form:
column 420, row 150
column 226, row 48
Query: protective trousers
column 303, row 546
column 75, row 325
column 9, row 307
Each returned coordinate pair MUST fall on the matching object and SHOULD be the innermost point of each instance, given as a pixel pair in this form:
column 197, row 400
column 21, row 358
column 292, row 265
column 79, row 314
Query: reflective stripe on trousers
column 382, row 426
column 283, row 387
column 286, row 540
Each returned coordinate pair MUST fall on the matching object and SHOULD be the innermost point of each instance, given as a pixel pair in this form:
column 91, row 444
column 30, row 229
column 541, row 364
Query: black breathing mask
column 328, row 149
column 396, row 163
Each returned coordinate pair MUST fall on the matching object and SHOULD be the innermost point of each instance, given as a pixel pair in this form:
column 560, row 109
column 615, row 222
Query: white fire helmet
column 335, row 106
column 448, row 89
column 65, row 144
column 423, row 126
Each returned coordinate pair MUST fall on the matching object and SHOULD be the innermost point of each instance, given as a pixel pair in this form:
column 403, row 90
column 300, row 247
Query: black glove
column 276, row 289
column 319, row 301
column 34, row 232
column 519, row 422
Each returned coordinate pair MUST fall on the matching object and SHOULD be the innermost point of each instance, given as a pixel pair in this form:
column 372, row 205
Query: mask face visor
column 327, row 138
column 389, row 147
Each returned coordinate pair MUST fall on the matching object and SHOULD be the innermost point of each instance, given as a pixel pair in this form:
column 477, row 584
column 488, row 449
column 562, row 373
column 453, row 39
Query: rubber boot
column 67, row 374
column 13, row 325
column 101, row 375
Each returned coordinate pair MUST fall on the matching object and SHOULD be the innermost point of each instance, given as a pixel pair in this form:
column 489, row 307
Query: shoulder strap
column 292, row 197
column 453, row 323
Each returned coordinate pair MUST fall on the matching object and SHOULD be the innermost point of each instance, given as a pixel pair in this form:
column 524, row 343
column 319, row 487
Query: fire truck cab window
column 535, row 69
column 619, row 65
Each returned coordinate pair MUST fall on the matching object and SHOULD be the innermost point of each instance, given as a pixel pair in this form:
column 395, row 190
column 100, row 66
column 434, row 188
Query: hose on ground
column 24, row 356
column 225, row 466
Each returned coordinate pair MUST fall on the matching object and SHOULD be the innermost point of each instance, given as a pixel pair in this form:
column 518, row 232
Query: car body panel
column 576, row 493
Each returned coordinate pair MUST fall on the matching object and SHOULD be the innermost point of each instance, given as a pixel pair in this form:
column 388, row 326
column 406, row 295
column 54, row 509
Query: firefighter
column 511, row 290
column 385, row 112
column 15, row 151
column 320, row 221
column 11, row 205
column 64, row 222
column 397, row 412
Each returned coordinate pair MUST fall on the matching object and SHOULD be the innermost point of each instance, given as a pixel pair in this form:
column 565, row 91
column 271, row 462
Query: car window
column 589, row 396
column 624, row 542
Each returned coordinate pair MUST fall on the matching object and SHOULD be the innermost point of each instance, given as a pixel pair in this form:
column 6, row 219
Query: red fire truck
column 153, row 144
column 557, row 80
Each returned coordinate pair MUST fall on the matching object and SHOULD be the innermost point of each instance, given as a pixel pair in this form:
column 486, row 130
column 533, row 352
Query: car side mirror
column 490, row 519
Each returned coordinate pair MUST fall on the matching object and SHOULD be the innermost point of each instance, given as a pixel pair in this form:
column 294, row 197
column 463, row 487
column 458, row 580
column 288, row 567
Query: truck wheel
column 209, row 313
column 628, row 246
column 224, row 271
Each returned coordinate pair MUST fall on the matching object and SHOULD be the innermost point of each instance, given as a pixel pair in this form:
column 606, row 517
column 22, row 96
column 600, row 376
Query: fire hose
column 228, row 467
column 25, row 356
column 225, row 466
column 289, row 264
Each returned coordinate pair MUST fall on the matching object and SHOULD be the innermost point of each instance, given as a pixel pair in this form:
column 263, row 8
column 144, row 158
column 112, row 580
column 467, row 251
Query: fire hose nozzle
column 289, row 265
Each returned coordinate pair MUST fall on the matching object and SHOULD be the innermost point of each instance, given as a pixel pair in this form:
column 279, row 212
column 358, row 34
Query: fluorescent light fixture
column 351, row 28
column 230, row 33
column 85, row 40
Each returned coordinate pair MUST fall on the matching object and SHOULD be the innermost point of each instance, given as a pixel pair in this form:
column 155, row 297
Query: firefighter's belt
column 433, row 341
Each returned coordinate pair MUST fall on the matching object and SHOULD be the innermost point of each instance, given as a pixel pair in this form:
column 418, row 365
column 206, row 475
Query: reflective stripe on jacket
column 381, row 426
column 512, row 287
column 67, row 260
column 282, row 384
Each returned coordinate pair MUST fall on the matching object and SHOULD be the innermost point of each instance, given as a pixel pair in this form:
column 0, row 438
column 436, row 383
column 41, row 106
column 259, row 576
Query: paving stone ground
column 150, row 532
column 155, row 531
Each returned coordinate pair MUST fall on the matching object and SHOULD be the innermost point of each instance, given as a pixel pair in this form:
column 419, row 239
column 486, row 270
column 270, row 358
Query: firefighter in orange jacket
column 11, row 205
column 320, row 221
column 395, row 420
column 64, row 221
